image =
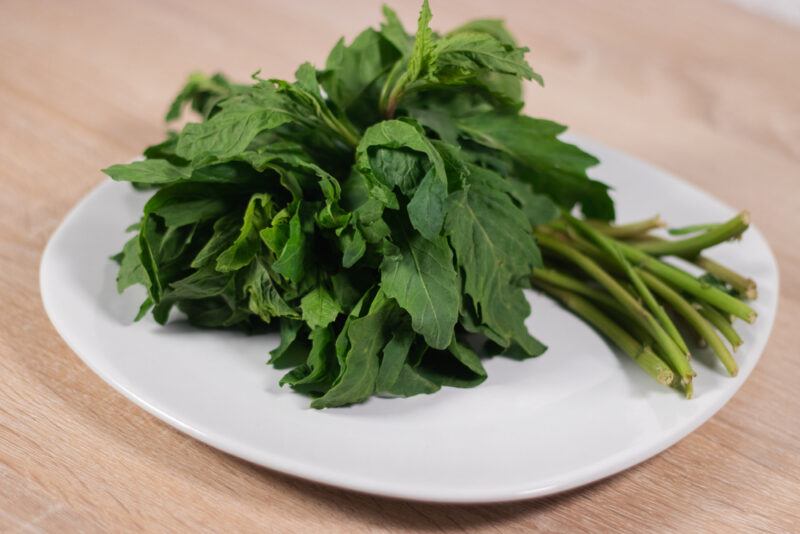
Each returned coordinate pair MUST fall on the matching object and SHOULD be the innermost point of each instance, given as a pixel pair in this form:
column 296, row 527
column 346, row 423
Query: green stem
column 580, row 287
column 564, row 281
column 691, row 246
column 342, row 127
column 672, row 352
column 678, row 278
column 627, row 231
column 695, row 320
column 389, row 87
column 395, row 95
column 610, row 248
column 642, row 355
column 746, row 287
column 688, row 283
column 721, row 323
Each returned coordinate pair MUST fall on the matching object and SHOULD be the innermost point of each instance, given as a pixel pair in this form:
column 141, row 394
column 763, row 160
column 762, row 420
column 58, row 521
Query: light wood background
column 701, row 88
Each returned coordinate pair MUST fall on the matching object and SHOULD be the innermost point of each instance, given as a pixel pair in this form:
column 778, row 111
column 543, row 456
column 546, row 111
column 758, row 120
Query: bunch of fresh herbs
column 383, row 212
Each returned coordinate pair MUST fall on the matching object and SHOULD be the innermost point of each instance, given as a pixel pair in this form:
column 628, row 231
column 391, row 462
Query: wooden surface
column 700, row 88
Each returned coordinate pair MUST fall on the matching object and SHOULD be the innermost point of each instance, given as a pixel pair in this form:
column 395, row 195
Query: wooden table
column 701, row 88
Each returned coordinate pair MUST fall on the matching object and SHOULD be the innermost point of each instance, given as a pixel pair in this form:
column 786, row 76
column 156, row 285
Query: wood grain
column 705, row 90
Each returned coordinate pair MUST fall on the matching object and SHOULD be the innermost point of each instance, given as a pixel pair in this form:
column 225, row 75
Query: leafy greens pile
column 379, row 211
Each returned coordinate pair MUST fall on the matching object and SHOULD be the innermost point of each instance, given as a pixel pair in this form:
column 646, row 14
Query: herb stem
column 641, row 354
column 629, row 230
column 389, row 86
column 564, row 281
column 695, row 320
column 672, row 352
column 721, row 323
column 609, row 247
column 743, row 285
column 692, row 246
column 675, row 276
column 686, row 282
column 342, row 127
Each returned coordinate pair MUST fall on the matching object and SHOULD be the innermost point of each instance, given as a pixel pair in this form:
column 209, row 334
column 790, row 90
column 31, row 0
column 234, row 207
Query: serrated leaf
column 240, row 119
column 394, row 32
column 553, row 167
column 465, row 54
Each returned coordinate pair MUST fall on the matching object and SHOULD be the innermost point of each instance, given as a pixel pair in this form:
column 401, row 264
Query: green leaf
column 415, row 64
column 397, row 134
column 399, row 167
column 494, row 27
column 245, row 247
column 422, row 50
column 491, row 237
column 201, row 284
column 319, row 371
column 428, row 199
column 458, row 367
column 147, row 242
column 496, row 251
column 353, row 248
column 467, row 357
column 208, row 313
column 312, row 109
column 240, row 119
column 411, row 382
column 226, row 229
column 461, row 55
column 149, row 171
column 276, row 234
column 394, row 358
column 264, row 298
column 421, row 277
column 319, row 308
column 539, row 209
column 350, row 71
column 291, row 262
column 466, row 56
column 553, row 167
column 504, row 87
column 186, row 203
column 292, row 350
column 394, row 32
column 367, row 336
column 506, row 318
column 203, row 92
column 342, row 343
column 131, row 270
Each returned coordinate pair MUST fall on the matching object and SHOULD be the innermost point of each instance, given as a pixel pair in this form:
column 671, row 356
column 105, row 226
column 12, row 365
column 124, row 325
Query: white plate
column 577, row 414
